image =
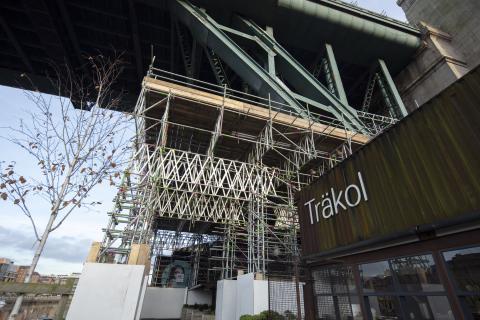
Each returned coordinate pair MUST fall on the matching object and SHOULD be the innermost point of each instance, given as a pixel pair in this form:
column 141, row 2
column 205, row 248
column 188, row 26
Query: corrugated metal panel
column 424, row 170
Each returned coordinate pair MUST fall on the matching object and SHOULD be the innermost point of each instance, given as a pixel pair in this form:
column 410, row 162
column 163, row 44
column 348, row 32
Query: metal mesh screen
column 325, row 308
column 282, row 297
column 344, row 307
column 332, row 286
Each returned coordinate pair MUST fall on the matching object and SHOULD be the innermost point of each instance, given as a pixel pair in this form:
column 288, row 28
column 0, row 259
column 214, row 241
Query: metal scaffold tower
column 213, row 177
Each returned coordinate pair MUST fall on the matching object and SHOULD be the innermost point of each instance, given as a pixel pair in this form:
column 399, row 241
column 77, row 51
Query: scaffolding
column 214, row 173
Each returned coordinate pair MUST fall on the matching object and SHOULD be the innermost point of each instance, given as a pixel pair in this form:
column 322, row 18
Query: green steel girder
column 306, row 84
column 207, row 32
column 386, row 97
column 271, row 56
column 398, row 107
column 210, row 34
column 337, row 80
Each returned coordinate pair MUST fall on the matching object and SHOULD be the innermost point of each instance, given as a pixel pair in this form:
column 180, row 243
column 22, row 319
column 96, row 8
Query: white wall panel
column 107, row 291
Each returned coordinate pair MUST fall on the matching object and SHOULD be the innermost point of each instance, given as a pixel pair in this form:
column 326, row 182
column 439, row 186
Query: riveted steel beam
column 398, row 106
column 305, row 83
column 207, row 32
column 271, row 55
column 337, row 80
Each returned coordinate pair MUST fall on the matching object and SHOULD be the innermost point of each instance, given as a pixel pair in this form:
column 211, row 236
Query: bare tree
column 77, row 140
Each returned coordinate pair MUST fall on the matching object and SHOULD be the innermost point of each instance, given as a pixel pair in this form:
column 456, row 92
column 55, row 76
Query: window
column 356, row 308
column 417, row 273
column 426, row 308
column 464, row 267
column 376, row 277
column 409, row 288
column 384, row 307
column 406, row 287
column 473, row 306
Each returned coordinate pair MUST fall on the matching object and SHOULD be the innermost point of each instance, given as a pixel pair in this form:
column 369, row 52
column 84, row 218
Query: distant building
column 21, row 274
column 34, row 306
column 62, row 279
column 14, row 273
column 7, row 270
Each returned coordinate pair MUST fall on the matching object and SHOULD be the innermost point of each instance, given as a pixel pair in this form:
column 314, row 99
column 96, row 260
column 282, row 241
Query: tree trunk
column 36, row 257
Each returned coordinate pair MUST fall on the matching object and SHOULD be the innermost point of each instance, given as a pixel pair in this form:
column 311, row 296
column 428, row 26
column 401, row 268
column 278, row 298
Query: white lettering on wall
column 333, row 201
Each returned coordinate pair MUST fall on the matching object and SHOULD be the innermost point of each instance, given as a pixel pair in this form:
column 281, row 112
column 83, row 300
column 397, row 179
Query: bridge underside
column 35, row 34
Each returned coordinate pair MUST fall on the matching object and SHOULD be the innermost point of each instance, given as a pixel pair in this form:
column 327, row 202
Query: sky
column 68, row 246
column 389, row 6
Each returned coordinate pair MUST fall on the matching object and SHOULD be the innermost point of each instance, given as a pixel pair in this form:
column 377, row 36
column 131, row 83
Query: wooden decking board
column 252, row 110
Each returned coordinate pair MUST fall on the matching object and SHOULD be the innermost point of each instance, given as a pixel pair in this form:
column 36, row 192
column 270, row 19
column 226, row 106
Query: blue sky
column 68, row 246
column 390, row 7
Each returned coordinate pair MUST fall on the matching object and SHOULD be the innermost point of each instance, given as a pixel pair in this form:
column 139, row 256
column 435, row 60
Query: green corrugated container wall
column 424, row 170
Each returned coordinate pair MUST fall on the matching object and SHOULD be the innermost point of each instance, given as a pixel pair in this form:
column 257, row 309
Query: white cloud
column 63, row 248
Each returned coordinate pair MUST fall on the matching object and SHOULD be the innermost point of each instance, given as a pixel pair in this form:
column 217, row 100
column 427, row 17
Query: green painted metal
column 271, row 56
column 399, row 107
column 424, row 170
column 337, row 80
column 305, row 83
column 207, row 32
column 342, row 14
column 358, row 36
column 386, row 96
column 236, row 32
column 328, row 75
